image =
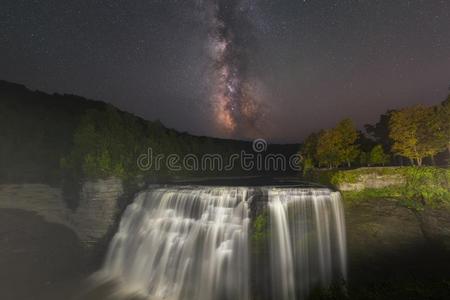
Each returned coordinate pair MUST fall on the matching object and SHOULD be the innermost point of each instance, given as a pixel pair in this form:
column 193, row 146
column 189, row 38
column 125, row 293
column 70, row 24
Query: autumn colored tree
column 337, row 145
column 327, row 151
column 403, row 130
column 415, row 132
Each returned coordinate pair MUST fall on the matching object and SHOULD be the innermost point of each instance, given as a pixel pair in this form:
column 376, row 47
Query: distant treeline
column 47, row 137
column 401, row 137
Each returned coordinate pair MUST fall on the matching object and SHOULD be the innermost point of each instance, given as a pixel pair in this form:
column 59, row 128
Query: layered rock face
column 373, row 181
column 91, row 220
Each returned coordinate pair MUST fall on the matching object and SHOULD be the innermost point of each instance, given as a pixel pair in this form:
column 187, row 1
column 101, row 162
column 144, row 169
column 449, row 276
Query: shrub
column 260, row 232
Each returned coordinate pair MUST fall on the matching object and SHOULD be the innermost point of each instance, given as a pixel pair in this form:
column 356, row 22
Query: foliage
column 423, row 185
column 380, row 131
column 348, row 136
column 327, row 146
column 336, row 146
column 377, row 156
column 322, row 176
column 442, row 126
column 415, row 132
column 344, row 177
column 364, row 158
column 427, row 185
column 43, row 134
column 307, row 165
column 260, row 232
column 308, row 152
column 366, row 194
column 106, row 143
column 365, row 142
column 36, row 131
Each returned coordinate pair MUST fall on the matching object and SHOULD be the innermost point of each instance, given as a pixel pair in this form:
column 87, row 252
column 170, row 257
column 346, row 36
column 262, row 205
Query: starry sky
column 277, row 69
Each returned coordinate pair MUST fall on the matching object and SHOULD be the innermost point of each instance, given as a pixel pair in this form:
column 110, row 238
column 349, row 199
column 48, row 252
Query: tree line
column 107, row 142
column 45, row 136
column 413, row 133
column 50, row 137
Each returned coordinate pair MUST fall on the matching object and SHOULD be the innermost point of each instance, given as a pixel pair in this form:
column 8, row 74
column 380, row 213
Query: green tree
column 106, row 143
column 364, row 158
column 307, row 165
column 347, row 135
column 442, row 127
column 309, row 148
column 380, row 131
column 377, row 156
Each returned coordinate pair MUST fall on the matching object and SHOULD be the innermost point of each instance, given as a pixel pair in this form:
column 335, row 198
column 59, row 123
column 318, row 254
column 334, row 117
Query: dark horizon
column 297, row 66
column 271, row 142
column 6, row 85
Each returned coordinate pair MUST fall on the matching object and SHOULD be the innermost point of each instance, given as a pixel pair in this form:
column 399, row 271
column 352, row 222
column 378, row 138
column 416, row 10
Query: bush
column 429, row 185
column 260, row 231
column 344, row 177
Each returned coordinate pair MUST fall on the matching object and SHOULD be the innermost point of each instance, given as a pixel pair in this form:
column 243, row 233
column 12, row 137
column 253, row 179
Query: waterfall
column 184, row 243
column 307, row 244
column 192, row 243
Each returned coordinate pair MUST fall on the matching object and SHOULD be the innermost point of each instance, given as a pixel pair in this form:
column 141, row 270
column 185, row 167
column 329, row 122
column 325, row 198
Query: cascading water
column 308, row 244
column 192, row 243
column 184, row 243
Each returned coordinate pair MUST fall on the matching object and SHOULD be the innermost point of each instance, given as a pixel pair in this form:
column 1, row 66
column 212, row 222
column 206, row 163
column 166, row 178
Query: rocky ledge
column 91, row 220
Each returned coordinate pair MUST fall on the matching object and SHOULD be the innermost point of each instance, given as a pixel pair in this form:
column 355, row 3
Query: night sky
column 234, row 68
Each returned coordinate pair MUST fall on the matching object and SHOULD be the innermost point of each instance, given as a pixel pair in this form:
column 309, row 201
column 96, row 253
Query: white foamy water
column 192, row 243
column 308, row 243
column 183, row 243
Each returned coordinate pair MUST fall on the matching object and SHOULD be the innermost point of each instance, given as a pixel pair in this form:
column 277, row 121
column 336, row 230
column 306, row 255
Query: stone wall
column 96, row 213
column 373, row 181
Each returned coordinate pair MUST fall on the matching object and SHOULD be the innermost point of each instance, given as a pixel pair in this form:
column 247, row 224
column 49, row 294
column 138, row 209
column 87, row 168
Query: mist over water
column 192, row 242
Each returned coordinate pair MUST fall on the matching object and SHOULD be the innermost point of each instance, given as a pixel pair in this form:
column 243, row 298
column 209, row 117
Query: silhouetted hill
column 43, row 135
column 36, row 129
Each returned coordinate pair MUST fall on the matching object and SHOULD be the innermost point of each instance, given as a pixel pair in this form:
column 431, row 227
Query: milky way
column 237, row 103
column 278, row 69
